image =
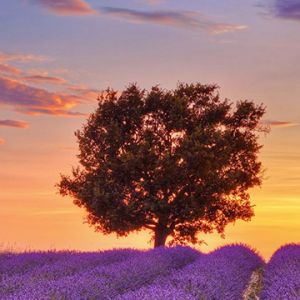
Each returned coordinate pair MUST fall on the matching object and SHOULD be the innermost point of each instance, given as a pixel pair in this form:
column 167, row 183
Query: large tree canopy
column 176, row 162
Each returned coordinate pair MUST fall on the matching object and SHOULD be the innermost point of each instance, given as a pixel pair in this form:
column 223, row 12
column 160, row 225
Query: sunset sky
column 56, row 55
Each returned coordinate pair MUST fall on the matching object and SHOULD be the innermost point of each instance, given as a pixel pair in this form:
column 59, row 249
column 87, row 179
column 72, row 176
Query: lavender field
column 231, row 272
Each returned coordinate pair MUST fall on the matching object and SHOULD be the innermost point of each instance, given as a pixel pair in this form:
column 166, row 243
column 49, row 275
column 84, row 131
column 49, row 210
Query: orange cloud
column 50, row 111
column 2, row 141
column 15, row 91
column 183, row 19
column 34, row 101
column 281, row 123
column 13, row 123
column 4, row 68
column 66, row 7
column 44, row 79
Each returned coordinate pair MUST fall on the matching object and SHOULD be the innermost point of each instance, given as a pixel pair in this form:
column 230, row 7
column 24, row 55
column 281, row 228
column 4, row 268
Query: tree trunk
column 160, row 236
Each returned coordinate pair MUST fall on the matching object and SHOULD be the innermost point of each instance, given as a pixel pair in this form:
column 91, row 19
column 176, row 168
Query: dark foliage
column 176, row 162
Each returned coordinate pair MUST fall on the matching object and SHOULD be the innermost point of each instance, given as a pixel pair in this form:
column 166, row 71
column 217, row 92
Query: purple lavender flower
column 282, row 274
column 161, row 273
column 106, row 282
column 222, row 274
column 44, row 268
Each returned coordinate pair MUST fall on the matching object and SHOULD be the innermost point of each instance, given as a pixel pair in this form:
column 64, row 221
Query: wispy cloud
column 34, row 101
column 17, row 92
column 5, row 57
column 183, row 19
column 2, row 141
column 287, row 9
column 6, row 60
column 51, row 111
column 4, row 68
column 13, row 123
column 274, row 123
column 41, row 78
column 66, row 7
column 84, row 93
column 44, row 79
column 38, row 77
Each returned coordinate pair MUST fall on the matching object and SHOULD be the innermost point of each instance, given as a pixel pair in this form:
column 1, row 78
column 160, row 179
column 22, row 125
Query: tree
column 176, row 162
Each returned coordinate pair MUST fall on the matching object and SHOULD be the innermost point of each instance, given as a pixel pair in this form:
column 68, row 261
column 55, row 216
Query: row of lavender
column 163, row 273
column 28, row 271
column 281, row 278
column 87, row 276
column 223, row 274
